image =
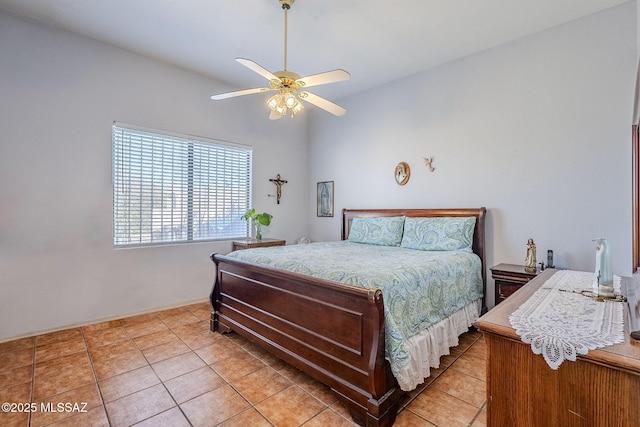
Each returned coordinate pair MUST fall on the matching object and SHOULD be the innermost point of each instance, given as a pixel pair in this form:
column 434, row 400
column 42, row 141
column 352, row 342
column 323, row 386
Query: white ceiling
column 377, row 41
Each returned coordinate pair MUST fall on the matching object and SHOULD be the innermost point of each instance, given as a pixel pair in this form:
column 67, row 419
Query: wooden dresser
column 601, row 388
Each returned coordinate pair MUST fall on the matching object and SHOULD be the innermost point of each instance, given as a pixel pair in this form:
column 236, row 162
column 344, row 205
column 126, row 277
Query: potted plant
column 258, row 220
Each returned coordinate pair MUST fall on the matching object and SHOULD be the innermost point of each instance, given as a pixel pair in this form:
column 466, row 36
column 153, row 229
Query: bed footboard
column 333, row 332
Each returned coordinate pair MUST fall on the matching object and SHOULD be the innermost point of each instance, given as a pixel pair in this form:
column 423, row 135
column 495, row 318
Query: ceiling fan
column 289, row 85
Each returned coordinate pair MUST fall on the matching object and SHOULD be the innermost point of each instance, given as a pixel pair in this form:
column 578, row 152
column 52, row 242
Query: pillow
column 383, row 230
column 439, row 233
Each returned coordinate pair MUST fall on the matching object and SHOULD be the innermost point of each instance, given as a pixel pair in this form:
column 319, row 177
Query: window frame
column 190, row 161
column 635, row 197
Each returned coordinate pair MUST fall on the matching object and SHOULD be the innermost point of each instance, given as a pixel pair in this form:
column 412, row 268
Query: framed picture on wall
column 325, row 198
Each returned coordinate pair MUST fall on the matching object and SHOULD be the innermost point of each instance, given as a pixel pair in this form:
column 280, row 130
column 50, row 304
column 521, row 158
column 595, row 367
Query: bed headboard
column 478, row 233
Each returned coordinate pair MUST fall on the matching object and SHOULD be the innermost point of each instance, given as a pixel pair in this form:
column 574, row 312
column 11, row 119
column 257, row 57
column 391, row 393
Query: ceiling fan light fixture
column 290, row 100
column 277, row 105
column 286, row 84
column 282, row 102
column 296, row 108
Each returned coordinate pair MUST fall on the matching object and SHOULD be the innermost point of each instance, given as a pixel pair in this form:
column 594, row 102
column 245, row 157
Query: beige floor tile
column 141, row 318
column 295, row 375
column 119, row 364
column 12, row 377
column 64, row 335
column 446, row 361
column 16, row 358
column 341, row 409
column 200, row 339
column 62, row 364
column 290, row 408
column 122, row 385
column 464, row 387
column 192, row 328
column 266, row 357
column 204, row 305
column 237, row 367
column 202, row 313
column 171, row 418
column 329, row 418
column 57, row 349
column 471, row 365
column 104, row 337
column 102, row 325
column 16, row 394
column 220, row 349
column 62, row 374
column 237, row 338
column 96, row 417
column 171, row 312
column 139, row 406
column 14, row 419
column 478, row 350
column 65, row 405
column 109, row 351
column 481, row 419
column 179, row 319
column 156, row 338
column 178, row 365
column 442, row 409
column 214, row 407
column 55, row 384
column 249, row 417
column 193, row 384
column 318, row 390
column 145, row 328
column 406, row 418
column 261, row 384
column 165, row 351
column 18, row 344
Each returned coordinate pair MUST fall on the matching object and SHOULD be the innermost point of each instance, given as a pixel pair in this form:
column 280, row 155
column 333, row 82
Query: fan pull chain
column 286, row 10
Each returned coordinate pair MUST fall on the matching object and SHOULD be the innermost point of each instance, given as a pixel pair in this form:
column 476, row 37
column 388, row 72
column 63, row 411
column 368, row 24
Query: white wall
column 537, row 130
column 59, row 94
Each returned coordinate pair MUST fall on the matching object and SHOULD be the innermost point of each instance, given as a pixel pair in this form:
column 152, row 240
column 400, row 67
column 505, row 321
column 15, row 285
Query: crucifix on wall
column 278, row 182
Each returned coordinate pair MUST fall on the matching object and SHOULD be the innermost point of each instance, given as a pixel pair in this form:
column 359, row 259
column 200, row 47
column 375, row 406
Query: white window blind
column 168, row 188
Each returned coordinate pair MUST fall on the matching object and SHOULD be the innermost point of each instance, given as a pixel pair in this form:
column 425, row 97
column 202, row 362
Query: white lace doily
column 560, row 322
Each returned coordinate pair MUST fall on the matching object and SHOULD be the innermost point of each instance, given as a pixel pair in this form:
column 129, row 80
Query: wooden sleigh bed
column 331, row 331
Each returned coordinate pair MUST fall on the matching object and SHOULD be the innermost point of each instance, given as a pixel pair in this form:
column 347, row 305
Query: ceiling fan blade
column 338, row 75
column 255, row 67
column 319, row 101
column 227, row 95
column 275, row 116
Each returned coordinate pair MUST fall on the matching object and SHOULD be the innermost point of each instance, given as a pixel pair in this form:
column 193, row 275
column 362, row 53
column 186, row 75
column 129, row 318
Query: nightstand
column 253, row 243
column 509, row 278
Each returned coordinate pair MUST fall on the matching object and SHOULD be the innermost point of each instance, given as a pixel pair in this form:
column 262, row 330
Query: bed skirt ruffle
column 428, row 346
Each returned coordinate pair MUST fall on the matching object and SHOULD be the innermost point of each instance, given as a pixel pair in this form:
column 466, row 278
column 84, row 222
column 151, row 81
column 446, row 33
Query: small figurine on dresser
column 603, row 277
column 530, row 256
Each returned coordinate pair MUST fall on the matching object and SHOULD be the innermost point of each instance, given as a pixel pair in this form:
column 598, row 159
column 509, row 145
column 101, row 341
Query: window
column 169, row 188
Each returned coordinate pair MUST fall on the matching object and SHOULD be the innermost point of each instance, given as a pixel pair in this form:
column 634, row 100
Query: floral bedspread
column 420, row 288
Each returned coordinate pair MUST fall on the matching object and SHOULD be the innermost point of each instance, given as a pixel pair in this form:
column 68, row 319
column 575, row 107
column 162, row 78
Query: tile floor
column 167, row 369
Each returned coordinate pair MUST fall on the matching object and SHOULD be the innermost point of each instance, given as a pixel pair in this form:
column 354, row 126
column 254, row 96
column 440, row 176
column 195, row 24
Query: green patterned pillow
column 382, row 230
column 439, row 233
